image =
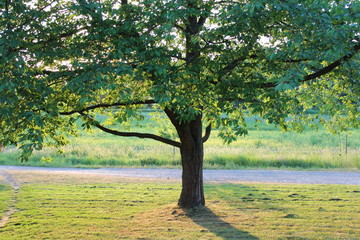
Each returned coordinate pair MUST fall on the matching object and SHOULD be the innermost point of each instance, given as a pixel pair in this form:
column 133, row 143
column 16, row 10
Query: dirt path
column 9, row 179
column 268, row 176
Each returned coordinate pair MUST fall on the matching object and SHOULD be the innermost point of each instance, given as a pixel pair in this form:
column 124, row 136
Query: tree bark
column 192, row 153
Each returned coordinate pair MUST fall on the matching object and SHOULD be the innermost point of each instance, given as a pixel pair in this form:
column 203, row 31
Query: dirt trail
column 267, row 176
column 10, row 180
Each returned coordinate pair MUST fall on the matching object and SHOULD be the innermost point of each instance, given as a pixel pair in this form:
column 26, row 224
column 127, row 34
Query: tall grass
column 264, row 147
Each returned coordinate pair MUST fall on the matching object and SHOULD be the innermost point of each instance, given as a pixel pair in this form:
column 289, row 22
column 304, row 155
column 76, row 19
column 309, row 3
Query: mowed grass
column 266, row 146
column 61, row 206
column 5, row 198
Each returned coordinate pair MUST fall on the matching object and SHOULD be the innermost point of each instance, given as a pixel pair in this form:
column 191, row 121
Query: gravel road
column 264, row 176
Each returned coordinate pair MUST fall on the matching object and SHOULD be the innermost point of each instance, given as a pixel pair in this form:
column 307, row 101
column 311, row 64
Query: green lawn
column 73, row 207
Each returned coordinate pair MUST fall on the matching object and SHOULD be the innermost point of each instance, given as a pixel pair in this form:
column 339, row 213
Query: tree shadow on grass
column 206, row 218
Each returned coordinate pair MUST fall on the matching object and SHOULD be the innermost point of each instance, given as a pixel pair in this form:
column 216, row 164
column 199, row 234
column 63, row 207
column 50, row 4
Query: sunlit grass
column 264, row 147
column 5, row 196
column 62, row 206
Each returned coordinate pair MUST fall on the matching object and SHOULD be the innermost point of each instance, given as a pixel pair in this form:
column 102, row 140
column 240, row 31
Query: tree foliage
column 221, row 60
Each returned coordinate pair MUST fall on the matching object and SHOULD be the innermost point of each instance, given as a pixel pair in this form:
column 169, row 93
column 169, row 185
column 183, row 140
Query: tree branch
column 231, row 66
column 179, row 27
column 134, row 134
column 207, row 133
column 322, row 71
column 55, row 38
column 103, row 105
column 294, row 60
column 331, row 66
column 139, row 135
column 202, row 20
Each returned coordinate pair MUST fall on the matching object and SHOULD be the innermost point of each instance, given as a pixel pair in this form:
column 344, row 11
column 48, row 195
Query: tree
column 205, row 64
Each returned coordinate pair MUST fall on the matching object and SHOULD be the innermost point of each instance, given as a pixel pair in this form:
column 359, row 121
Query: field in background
column 68, row 206
column 265, row 147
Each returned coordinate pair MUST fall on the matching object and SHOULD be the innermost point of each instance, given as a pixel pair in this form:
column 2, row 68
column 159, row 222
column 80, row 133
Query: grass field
column 60, row 206
column 265, row 147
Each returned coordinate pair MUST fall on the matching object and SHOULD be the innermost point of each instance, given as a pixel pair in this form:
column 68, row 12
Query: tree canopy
column 206, row 63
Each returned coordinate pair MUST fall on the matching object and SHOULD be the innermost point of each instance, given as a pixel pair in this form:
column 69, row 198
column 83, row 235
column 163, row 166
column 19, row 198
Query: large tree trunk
column 192, row 153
